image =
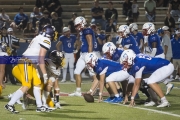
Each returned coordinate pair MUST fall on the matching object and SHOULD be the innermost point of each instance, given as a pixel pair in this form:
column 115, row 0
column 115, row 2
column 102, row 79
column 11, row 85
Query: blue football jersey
column 112, row 66
column 102, row 37
column 175, row 48
column 132, row 42
column 84, row 45
column 155, row 38
column 68, row 43
column 151, row 64
column 138, row 37
column 117, row 54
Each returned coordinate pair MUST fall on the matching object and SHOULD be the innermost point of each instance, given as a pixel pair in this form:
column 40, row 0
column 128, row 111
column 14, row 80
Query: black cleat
column 11, row 108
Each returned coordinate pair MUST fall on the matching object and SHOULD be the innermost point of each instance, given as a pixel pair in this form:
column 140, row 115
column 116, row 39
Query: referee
column 13, row 44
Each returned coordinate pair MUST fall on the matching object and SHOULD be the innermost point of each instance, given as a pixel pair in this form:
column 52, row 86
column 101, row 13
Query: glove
column 75, row 51
column 45, row 78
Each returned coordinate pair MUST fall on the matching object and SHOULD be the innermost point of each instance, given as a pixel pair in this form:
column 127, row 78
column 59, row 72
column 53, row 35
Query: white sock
column 71, row 70
column 16, row 96
column 44, row 98
column 64, row 73
column 37, row 95
column 78, row 89
column 163, row 99
column 116, row 95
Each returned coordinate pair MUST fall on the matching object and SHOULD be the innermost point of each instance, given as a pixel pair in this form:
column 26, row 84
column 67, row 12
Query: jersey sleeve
column 154, row 39
column 61, row 38
column 45, row 43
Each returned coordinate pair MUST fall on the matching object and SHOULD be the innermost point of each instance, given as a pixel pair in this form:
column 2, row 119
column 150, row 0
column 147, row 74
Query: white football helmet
column 165, row 28
column 133, row 26
column 90, row 60
column 80, row 23
column 124, row 29
column 108, row 49
column 148, row 28
column 127, row 57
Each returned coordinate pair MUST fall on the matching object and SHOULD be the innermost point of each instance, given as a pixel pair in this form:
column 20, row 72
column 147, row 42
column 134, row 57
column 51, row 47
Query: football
column 88, row 98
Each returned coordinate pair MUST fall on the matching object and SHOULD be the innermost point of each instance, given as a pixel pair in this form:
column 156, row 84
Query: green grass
column 75, row 108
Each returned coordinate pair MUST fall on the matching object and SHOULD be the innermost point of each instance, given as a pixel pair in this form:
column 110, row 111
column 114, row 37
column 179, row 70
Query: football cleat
column 109, row 99
column 164, row 104
column 151, row 103
column 169, row 88
column 73, row 80
column 41, row 109
column 11, row 108
column 78, row 94
column 116, row 100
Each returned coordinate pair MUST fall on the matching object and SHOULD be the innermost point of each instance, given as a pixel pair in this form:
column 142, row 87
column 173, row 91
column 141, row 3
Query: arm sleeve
column 139, row 73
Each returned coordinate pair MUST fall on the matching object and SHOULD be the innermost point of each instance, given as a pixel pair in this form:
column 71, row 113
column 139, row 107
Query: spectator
column 21, row 19
column 44, row 20
column 127, row 9
column 159, row 3
column 29, row 31
column 166, row 31
column 174, row 8
column 57, row 22
column 4, row 19
column 150, row 8
column 37, row 28
column 41, row 4
column 165, row 3
column 135, row 10
column 54, row 6
column 110, row 26
column 111, row 13
column 10, row 31
column 169, row 21
column 71, row 24
column 97, row 15
column 36, row 15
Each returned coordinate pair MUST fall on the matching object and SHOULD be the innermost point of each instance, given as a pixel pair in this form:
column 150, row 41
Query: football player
column 34, row 54
column 87, row 38
column 141, row 64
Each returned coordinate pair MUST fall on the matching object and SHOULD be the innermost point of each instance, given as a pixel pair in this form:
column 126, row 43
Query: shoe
column 73, row 80
column 41, row 109
column 57, row 105
column 164, row 104
column 116, row 100
column 78, row 94
column 63, row 81
column 177, row 77
column 151, row 103
column 83, row 75
column 148, row 100
column 11, row 108
column 109, row 99
column 169, row 88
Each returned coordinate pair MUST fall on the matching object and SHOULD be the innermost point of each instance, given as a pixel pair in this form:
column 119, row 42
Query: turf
column 75, row 108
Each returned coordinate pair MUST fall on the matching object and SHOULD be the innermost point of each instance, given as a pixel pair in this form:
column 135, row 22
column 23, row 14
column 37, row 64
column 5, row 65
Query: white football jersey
column 51, row 68
column 34, row 47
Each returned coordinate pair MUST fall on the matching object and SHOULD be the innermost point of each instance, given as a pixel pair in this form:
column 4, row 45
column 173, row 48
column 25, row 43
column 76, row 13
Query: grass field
column 75, row 108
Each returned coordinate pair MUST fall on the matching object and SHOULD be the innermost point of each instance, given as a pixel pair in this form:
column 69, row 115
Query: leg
column 65, row 68
column 2, row 72
column 71, row 66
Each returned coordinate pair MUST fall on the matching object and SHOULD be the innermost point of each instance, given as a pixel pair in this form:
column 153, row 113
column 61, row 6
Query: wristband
column 132, row 98
column 100, row 93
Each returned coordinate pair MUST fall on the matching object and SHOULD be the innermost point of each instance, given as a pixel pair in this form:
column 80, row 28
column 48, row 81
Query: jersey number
column 95, row 45
column 69, row 45
column 145, row 57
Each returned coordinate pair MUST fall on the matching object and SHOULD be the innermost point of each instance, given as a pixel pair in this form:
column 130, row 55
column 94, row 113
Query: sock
column 45, row 97
column 57, row 97
column 116, row 95
column 163, row 99
column 51, row 94
column 16, row 96
column 37, row 95
column 64, row 73
column 78, row 89
column 71, row 70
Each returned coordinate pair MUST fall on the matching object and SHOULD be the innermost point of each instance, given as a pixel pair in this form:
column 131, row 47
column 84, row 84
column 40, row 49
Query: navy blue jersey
column 132, row 42
column 68, row 43
column 175, row 48
column 112, row 66
column 155, row 38
column 138, row 37
column 102, row 37
column 151, row 64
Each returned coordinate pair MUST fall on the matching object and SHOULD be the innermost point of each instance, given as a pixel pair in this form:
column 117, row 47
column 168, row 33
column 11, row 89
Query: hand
column 125, row 100
column 45, row 78
column 100, row 99
column 132, row 103
column 75, row 51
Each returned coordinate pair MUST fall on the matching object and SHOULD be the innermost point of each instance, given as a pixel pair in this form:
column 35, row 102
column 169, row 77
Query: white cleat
column 78, row 94
column 73, row 80
column 169, row 88
column 151, row 103
column 164, row 104
column 58, row 106
column 63, row 81
column 177, row 77
column 19, row 102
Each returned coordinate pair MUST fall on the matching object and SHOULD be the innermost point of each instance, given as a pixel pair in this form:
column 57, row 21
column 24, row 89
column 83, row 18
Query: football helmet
column 90, row 60
column 48, row 31
column 80, row 23
column 127, row 57
column 124, row 30
column 57, row 58
column 160, row 31
column 108, row 49
column 133, row 27
column 148, row 28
